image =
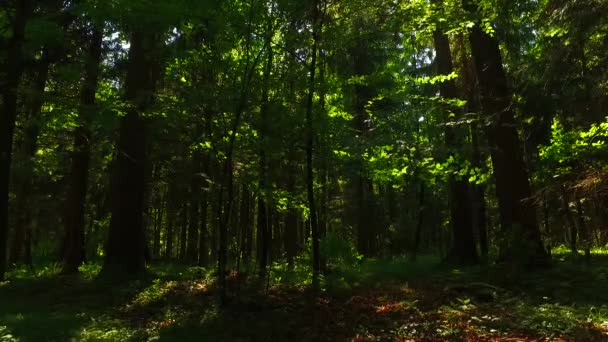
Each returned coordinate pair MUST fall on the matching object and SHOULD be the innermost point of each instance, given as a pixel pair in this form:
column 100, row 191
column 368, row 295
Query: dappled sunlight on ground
column 442, row 305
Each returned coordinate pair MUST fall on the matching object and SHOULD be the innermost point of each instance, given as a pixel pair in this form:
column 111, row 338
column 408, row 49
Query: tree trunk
column 224, row 210
column 158, row 223
column 291, row 220
column 263, row 220
column 517, row 215
column 125, row 249
column 74, row 249
column 572, row 231
column 246, row 224
column 172, row 208
column 464, row 250
column 24, row 178
column 183, row 236
column 419, row 224
column 479, row 198
column 194, row 224
column 14, row 68
column 584, row 229
column 310, row 137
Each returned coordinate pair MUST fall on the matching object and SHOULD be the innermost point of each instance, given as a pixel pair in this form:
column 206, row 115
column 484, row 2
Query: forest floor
column 374, row 301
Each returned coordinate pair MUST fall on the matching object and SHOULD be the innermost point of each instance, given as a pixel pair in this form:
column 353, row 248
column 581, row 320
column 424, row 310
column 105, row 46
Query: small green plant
column 338, row 251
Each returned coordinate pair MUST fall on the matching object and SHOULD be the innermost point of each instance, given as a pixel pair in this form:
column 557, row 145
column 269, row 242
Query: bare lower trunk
column 464, row 250
column 126, row 250
column 74, row 247
column 14, row 67
column 517, row 214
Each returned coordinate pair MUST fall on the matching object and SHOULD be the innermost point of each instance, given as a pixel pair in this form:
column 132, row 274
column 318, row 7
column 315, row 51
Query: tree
column 517, row 214
column 73, row 245
column 125, row 251
column 310, row 137
column 12, row 70
column 463, row 246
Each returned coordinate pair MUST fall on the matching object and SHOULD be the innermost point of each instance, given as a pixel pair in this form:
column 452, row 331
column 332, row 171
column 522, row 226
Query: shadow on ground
column 378, row 300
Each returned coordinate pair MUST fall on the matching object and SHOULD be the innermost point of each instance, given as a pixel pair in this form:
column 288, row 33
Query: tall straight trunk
column 572, row 231
column 262, row 236
column 290, row 235
column 24, row 178
column 420, row 221
column 246, row 224
column 546, row 223
column 203, row 251
column 74, row 251
column 517, row 214
column 172, row 208
column 125, row 249
column 363, row 199
column 323, row 166
column 13, row 70
column 158, row 223
column 584, row 229
column 183, row 236
column 263, row 215
column 464, row 250
column 194, row 223
column 224, row 210
column 479, row 198
column 310, row 137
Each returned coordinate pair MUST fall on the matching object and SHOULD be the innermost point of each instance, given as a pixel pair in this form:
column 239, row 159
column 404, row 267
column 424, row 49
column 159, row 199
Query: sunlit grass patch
column 105, row 328
column 154, row 292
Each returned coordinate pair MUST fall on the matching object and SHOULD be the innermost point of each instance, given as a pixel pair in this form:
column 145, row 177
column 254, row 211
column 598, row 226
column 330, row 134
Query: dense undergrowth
column 366, row 300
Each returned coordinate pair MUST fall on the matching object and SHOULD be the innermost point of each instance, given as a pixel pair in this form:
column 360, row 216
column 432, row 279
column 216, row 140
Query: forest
column 308, row 170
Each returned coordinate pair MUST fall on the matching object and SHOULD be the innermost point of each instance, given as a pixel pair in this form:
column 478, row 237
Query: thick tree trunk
column 194, row 223
column 517, row 214
column 24, row 177
column 464, row 250
column 74, row 248
column 183, row 236
column 125, row 250
column 12, row 72
column 479, row 198
column 362, row 202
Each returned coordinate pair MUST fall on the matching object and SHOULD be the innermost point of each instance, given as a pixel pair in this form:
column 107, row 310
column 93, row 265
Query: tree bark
column 584, row 229
column 517, row 215
column 479, row 198
column 419, row 223
column 14, row 68
column 74, row 248
column 263, row 221
column 24, row 177
column 246, row 224
column 572, row 231
column 290, row 235
column 310, row 137
column 125, row 249
column 183, row 236
column 464, row 250
column 203, row 251
column 194, row 223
